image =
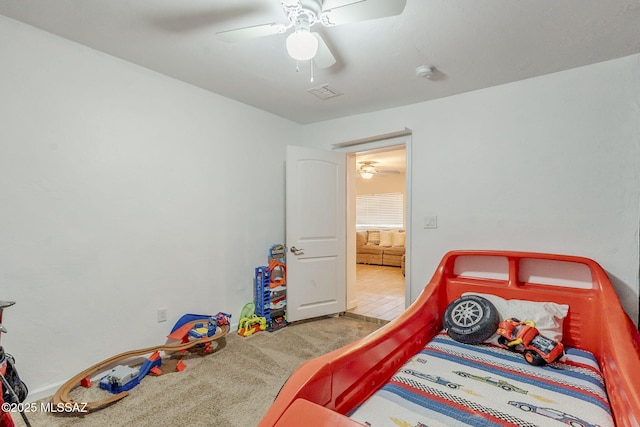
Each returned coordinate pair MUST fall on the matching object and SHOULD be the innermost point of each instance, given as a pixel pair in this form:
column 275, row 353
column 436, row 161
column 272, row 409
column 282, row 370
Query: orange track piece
column 180, row 366
column 85, row 382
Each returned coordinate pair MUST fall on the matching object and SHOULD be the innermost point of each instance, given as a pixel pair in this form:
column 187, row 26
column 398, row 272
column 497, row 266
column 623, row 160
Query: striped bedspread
column 453, row 384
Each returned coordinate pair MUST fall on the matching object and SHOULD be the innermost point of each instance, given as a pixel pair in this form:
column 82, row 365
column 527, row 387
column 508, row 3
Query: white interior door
column 315, row 227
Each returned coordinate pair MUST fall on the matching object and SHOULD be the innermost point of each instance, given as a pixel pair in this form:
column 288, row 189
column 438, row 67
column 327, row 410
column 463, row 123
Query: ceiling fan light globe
column 366, row 175
column 367, row 170
column 302, row 45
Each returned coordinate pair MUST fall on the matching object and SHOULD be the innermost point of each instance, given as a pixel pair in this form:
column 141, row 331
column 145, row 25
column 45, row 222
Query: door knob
column 296, row 251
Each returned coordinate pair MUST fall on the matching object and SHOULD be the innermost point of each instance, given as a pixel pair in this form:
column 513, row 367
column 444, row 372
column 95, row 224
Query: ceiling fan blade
column 361, row 11
column 248, row 33
column 324, row 58
column 197, row 20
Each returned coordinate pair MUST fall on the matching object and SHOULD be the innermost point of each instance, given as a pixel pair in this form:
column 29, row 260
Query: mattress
column 449, row 384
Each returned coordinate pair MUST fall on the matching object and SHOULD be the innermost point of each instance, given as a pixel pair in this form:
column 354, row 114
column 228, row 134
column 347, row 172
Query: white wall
column 549, row 164
column 123, row 191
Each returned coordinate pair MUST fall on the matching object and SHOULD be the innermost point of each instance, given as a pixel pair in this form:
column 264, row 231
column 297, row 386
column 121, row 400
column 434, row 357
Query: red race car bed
column 408, row 373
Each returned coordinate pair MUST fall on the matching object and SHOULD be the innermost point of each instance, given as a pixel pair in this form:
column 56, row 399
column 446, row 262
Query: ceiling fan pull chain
column 297, row 66
column 311, row 64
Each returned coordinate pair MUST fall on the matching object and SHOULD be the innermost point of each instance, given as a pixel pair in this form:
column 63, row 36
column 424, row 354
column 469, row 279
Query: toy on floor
column 192, row 331
column 197, row 326
column 119, row 379
column 278, row 278
column 276, row 323
column 250, row 325
column 538, row 349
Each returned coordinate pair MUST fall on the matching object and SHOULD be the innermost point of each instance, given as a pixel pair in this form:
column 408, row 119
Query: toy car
column 222, row 318
column 538, row 349
column 276, row 305
column 119, row 379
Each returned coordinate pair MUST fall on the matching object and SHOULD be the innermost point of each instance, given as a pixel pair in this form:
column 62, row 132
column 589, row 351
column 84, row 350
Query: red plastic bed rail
column 322, row 390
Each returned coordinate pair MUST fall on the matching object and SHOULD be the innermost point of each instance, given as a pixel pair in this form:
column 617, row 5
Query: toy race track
column 61, row 397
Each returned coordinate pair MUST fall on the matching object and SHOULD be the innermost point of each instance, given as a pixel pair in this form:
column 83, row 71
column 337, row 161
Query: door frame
column 351, row 150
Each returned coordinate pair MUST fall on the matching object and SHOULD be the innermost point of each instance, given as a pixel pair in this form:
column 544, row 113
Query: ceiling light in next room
column 367, row 170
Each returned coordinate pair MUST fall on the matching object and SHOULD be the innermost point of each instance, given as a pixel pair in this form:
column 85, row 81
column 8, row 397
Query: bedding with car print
column 449, row 383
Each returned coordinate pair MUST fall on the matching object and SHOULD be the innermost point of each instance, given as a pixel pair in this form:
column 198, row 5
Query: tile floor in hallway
column 380, row 291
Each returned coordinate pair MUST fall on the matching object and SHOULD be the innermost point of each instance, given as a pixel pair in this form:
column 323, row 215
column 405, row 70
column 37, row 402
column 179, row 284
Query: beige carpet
column 232, row 387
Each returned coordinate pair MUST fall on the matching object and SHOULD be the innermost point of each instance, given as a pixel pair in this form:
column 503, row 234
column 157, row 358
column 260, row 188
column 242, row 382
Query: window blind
column 385, row 210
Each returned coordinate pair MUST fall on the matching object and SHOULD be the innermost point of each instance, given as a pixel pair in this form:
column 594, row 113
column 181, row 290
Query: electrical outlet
column 162, row 314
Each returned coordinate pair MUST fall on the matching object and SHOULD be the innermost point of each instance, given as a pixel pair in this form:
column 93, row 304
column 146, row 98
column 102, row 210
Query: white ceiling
column 474, row 44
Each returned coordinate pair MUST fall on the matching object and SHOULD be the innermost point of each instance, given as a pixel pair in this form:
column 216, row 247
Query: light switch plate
column 431, row 221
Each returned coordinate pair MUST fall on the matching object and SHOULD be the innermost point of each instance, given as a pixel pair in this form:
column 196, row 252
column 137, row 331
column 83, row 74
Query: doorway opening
column 378, row 196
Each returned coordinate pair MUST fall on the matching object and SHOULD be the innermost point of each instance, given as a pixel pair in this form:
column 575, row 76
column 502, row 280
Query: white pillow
column 361, row 238
column 385, row 238
column 398, row 239
column 373, row 238
column 548, row 316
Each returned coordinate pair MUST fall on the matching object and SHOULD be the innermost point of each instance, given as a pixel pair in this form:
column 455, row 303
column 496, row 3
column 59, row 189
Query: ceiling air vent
column 323, row 92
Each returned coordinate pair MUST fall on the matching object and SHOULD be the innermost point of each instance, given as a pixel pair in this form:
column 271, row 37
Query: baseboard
column 366, row 318
column 44, row 392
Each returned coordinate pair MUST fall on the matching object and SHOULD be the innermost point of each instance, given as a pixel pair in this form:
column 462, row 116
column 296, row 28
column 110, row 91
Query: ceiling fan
column 302, row 44
column 367, row 170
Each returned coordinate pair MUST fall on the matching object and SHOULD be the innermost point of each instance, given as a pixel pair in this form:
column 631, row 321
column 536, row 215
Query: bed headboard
column 578, row 282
